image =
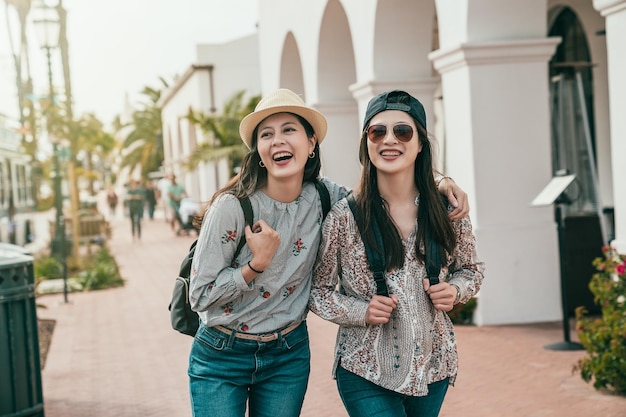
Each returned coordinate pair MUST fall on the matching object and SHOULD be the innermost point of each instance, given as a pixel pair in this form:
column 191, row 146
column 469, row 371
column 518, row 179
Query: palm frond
column 222, row 131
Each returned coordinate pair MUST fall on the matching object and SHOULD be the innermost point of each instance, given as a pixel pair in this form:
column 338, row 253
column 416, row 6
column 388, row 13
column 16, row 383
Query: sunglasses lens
column 376, row 133
column 403, row 132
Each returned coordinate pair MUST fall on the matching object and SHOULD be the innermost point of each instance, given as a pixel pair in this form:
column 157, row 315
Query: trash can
column 20, row 375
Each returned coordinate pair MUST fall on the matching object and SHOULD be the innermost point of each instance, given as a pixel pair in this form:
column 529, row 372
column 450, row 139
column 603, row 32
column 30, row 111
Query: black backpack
column 376, row 258
column 182, row 317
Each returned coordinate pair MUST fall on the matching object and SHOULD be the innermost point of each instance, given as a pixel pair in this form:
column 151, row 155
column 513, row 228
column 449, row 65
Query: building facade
column 17, row 197
column 221, row 70
column 516, row 91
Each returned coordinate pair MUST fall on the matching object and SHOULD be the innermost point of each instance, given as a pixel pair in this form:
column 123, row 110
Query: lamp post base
column 565, row 346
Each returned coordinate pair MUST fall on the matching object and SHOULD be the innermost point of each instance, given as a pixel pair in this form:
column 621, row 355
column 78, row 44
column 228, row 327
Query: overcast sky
column 119, row 46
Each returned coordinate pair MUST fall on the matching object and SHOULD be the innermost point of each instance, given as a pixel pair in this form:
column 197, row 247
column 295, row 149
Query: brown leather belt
column 266, row 337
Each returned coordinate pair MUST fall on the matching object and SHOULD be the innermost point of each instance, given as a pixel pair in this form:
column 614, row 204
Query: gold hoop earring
column 312, row 155
column 261, row 164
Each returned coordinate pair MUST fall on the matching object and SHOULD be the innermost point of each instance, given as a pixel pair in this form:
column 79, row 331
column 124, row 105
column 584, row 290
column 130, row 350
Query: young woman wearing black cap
column 396, row 353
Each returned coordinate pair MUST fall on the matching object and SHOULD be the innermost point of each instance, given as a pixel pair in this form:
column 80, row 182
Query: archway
column 573, row 152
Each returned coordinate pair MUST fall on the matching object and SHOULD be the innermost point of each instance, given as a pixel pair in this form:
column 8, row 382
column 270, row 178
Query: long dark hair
column 252, row 176
column 432, row 212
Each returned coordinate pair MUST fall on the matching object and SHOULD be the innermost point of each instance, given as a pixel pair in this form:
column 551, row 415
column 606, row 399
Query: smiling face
column 283, row 146
column 388, row 153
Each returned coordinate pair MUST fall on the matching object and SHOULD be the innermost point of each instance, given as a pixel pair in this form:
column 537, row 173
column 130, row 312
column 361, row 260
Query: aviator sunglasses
column 402, row 132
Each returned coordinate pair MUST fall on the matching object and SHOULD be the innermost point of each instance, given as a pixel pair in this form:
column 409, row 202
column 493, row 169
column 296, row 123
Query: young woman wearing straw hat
column 252, row 348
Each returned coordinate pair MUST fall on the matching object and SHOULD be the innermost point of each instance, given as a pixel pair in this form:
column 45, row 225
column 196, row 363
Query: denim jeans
column 228, row 374
column 363, row 398
column 135, row 221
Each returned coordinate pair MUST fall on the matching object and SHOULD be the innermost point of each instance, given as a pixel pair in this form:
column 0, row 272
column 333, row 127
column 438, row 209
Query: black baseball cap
column 395, row 100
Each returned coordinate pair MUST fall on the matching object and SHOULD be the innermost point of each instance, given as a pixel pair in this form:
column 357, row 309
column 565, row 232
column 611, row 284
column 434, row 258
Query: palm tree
column 143, row 146
column 222, row 132
column 92, row 140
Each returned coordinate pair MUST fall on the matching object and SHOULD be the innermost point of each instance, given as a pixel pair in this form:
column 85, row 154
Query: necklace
column 416, row 201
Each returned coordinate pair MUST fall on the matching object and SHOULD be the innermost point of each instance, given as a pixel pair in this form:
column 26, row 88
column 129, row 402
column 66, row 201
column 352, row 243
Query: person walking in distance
column 251, row 351
column 135, row 202
column 175, row 193
column 151, row 199
column 112, row 201
column 395, row 353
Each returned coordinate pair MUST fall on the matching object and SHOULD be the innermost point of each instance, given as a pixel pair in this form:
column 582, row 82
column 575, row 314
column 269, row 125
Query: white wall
column 234, row 66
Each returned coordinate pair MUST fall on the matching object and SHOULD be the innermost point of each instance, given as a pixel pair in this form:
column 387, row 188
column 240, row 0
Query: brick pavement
column 113, row 353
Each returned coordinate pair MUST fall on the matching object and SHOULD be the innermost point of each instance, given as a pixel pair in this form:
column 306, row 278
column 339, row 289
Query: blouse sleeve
column 465, row 271
column 214, row 276
column 337, row 242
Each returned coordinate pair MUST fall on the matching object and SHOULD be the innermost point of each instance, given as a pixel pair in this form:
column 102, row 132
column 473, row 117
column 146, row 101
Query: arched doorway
column 573, row 152
column 573, row 138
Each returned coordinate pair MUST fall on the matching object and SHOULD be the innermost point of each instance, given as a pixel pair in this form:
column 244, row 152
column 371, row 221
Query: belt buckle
column 268, row 337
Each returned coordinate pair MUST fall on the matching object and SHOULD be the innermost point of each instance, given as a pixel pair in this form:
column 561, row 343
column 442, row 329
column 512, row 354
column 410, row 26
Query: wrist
column 440, row 179
column 253, row 269
column 457, row 299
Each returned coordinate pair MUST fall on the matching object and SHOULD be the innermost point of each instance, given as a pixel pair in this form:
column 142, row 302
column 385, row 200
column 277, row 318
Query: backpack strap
column 246, row 206
column 324, row 196
column 432, row 258
column 375, row 258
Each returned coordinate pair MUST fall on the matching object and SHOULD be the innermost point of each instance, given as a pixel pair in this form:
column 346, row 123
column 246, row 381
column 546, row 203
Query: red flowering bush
column 604, row 337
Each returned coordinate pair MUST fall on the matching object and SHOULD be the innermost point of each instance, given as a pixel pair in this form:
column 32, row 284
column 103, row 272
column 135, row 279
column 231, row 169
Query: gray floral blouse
column 276, row 298
column 417, row 346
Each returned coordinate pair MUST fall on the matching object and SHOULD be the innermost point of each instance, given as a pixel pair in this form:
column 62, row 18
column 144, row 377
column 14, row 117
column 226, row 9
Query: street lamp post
column 48, row 28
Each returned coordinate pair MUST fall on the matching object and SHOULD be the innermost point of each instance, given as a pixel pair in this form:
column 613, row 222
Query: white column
column 497, row 119
column 614, row 12
column 340, row 149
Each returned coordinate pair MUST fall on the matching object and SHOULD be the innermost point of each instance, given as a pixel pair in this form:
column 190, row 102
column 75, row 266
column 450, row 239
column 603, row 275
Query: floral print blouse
column 417, row 346
column 276, row 298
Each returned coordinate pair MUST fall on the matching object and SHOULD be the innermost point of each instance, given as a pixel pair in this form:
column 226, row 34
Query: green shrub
column 102, row 272
column 604, row 337
column 47, row 267
column 463, row 313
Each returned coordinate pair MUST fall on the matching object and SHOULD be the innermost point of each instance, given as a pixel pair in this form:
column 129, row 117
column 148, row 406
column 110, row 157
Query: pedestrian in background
column 395, row 354
column 135, row 201
column 112, row 201
column 151, row 199
column 175, row 193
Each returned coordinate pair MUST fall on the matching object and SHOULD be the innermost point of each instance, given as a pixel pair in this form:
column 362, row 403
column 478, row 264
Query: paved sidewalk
column 113, row 353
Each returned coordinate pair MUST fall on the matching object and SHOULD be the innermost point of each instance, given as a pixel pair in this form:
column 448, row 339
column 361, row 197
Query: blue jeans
column 228, row 374
column 135, row 220
column 363, row 398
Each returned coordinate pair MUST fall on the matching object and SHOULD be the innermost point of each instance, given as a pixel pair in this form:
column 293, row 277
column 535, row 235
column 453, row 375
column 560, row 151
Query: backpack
column 182, row 317
column 376, row 258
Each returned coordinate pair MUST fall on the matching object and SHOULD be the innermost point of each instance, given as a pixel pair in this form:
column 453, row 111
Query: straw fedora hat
column 282, row 101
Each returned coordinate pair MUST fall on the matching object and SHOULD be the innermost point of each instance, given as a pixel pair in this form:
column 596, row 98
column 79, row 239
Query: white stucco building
column 220, row 71
column 515, row 90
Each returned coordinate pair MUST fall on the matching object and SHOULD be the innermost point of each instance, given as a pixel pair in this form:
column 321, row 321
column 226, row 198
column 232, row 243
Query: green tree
column 143, row 146
column 80, row 138
column 222, row 131
column 93, row 143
